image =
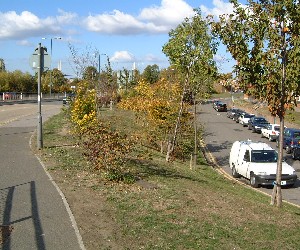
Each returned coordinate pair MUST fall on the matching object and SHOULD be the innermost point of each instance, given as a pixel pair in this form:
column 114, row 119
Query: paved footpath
column 30, row 202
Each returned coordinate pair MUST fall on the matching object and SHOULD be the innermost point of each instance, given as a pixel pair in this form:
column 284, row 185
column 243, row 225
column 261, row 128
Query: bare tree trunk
column 171, row 143
column 277, row 194
column 194, row 155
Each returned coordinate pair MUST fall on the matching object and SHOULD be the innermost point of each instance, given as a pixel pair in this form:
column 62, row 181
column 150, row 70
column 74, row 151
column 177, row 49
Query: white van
column 257, row 161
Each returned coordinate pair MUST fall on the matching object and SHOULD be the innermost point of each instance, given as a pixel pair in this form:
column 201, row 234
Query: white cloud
column 25, row 43
column 220, row 8
column 169, row 14
column 156, row 19
column 122, row 56
column 116, row 22
column 27, row 24
column 66, row 17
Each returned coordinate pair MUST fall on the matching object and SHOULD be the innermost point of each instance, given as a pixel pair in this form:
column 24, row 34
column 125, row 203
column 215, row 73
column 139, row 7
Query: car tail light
column 273, row 133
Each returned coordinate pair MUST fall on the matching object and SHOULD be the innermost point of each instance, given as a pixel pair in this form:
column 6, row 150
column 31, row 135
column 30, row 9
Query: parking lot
column 219, row 134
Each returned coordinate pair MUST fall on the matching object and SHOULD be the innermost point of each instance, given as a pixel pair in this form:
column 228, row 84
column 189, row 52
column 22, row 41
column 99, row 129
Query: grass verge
column 169, row 207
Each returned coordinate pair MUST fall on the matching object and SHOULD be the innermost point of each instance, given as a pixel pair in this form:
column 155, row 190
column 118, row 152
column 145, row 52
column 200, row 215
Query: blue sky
column 128, row 32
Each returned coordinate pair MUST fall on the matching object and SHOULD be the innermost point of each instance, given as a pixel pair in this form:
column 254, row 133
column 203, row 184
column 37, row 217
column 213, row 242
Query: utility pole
column 40, row 120
column 39, row 60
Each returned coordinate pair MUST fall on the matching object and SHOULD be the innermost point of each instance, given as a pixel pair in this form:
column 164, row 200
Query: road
column 30, row 202
column 219, row 134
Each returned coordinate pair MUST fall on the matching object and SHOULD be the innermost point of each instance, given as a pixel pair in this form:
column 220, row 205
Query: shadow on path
column 7, row 214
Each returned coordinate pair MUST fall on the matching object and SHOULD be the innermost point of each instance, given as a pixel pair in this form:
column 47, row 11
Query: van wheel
column 253, row 181
column 288, row 149
column 234, row 173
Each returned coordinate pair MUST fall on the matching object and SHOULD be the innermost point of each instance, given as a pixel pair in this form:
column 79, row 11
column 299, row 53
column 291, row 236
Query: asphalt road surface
column 221, row 132
column 30, row 202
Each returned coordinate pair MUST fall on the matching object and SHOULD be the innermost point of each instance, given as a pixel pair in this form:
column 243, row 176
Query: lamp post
column 99, row 63
column 51, row 39
column 98, row 85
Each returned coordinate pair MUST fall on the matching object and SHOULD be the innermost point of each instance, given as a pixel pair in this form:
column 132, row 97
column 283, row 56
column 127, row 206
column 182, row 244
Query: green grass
column 174, row 207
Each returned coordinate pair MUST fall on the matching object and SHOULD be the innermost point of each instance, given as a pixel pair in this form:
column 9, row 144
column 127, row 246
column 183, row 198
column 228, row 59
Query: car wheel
column 288, row 149
column 270, row 138
column 253, row 181
column 294, row 155
column 234, row 173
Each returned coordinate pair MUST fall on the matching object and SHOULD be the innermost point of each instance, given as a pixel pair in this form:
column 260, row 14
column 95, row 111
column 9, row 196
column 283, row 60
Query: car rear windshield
column 264, row 156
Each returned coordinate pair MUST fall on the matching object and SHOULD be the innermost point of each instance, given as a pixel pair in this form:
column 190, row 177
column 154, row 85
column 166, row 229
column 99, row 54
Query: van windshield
column 264, row 156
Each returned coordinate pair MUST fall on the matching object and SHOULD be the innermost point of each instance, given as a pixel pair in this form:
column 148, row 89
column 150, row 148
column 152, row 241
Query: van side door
column 245, row 162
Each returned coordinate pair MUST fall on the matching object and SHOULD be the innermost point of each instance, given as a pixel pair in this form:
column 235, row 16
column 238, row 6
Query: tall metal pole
column 51, row 45
column 99, row 67
column 40, row 69
column 50, row 67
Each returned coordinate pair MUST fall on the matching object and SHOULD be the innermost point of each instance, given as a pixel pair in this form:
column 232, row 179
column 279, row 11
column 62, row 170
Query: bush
column 107, row 150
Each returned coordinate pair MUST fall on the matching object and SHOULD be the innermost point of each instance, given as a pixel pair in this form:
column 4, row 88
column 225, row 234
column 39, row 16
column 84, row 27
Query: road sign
column 45, row 61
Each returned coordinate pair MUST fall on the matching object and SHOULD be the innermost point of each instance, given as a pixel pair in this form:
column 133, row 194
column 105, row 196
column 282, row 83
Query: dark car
column 257, row 123
column 237, row 114
column 291, row 141
column 232, row 111
column 215, row 102
column 221, row 107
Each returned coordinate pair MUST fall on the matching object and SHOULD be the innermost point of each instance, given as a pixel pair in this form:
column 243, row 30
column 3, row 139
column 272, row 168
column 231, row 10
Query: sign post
column 38, row 64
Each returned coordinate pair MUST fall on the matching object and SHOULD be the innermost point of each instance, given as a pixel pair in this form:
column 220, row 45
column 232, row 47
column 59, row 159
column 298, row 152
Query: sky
column 129, row 32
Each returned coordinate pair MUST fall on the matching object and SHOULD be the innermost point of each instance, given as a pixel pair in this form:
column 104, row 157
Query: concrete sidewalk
column 30, row 203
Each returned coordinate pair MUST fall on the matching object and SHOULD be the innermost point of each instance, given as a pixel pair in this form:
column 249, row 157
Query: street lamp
column 98, row 85
column 52, row 38
column 99, row 63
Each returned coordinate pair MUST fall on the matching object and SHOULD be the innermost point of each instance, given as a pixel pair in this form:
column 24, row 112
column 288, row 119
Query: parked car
column 237, row 115
column 215, row 103
column 232, row 111
column 257, row 161
column 221, row 107
column 244, row 119
column 271, row 131
column 291, row 140
column 257, row 123
column 296, row 153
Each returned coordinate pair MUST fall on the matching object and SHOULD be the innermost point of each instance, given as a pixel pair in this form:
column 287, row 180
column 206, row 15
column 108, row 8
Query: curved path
column 31, row 205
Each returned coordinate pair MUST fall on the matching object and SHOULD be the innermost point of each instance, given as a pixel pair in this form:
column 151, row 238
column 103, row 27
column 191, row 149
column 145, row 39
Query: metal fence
column 15, row 96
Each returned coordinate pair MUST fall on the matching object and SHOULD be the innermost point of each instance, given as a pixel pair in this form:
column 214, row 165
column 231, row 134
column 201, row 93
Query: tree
column 264, row 40
column 17, row 81
column 151, row 73
column 190, row 49
column 108, row 86
column 155, row 106
column 127, row 79
column 59, row 82
column 2, row 65
column 90, row 73
column 81, row 60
